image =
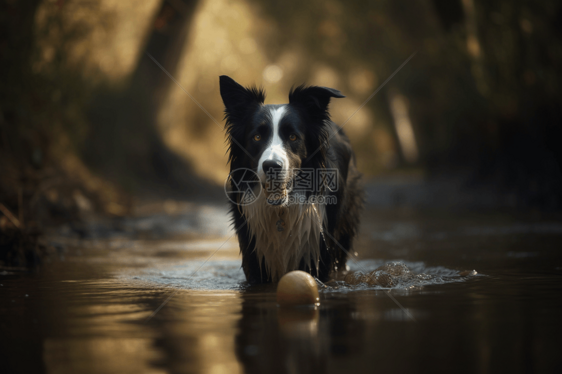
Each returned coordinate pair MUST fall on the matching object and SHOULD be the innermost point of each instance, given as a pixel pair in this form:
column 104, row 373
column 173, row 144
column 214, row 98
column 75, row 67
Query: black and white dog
column 290, row 222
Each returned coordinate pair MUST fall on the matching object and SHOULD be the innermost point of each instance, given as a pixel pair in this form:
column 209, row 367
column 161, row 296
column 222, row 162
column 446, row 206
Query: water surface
column 158, row 295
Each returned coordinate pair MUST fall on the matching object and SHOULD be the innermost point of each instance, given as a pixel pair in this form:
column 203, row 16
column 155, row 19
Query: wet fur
column 281, row 252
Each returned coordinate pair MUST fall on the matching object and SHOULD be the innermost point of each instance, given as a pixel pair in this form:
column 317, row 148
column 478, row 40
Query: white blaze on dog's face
column 275, row 154
column 279, row 145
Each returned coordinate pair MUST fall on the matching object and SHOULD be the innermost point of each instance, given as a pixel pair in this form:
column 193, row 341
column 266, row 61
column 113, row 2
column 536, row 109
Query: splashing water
column 227, row 275
column 395, row 275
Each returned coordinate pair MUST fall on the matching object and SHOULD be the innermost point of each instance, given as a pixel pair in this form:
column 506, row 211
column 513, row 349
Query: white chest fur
column 282, row 250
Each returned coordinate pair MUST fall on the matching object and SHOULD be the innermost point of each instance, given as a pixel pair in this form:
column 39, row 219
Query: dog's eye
column 292, row 137
column 257, row 138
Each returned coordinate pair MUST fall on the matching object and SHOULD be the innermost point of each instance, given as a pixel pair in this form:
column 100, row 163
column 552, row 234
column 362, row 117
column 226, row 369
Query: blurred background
column 90, row 124
column 113, row 176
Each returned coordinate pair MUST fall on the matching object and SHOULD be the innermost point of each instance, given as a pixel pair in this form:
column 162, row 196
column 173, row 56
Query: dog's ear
column 313, row 102
column 237, row 99
column 314, row 98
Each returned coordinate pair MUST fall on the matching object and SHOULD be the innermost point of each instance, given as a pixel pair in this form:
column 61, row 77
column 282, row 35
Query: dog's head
column 276, row 141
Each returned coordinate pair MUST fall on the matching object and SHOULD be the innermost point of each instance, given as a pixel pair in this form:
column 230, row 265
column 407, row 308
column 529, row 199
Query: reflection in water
column 298, row 322
column 272, row 339
column 100, row 355
column 196, row 332
column 86, row 326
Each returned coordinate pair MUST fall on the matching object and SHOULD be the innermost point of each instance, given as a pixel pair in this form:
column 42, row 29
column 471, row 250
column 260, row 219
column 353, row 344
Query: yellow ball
column 297, row 288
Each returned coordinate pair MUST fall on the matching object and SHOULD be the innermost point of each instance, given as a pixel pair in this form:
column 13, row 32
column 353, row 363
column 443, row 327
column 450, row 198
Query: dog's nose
column 272, row 166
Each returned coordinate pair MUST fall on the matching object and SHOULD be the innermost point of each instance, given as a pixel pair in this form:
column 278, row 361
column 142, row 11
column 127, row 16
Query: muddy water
column 165, row 294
